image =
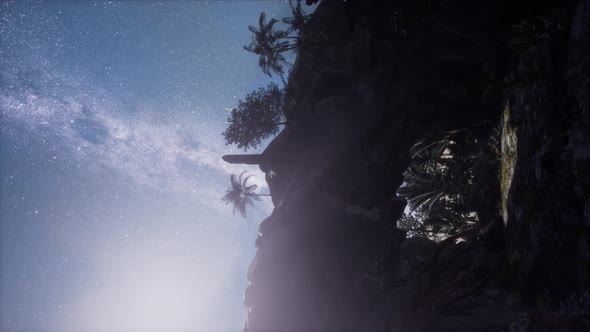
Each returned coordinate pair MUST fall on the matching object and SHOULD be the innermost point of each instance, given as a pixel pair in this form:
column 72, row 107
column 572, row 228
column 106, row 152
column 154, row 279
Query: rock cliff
column 383, row 74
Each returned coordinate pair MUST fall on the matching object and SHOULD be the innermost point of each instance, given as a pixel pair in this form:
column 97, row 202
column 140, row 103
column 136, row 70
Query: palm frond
column 289, row 20
column 234, row 181
column 261, row 20
column 240, row 194
column 270, row 24
column 254, row 29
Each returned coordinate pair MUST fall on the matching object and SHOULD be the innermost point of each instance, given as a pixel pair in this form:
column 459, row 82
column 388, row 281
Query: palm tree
column 269, row 44
column 241, row 194
column 438, row 183
column 299, row 20
column 424, row 178
column 266, row 44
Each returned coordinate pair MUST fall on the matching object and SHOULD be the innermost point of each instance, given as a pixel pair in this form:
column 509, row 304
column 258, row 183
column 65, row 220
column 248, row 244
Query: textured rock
column 329, row 257
column 548, row 224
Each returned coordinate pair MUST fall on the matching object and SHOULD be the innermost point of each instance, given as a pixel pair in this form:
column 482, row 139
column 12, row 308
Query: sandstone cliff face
column 330, row 257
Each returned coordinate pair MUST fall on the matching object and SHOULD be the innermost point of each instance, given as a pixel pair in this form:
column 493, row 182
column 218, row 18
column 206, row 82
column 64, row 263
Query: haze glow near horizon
column 111, row 171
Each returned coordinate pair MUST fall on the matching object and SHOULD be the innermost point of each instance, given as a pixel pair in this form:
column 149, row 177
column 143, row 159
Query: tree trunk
column 248, row 159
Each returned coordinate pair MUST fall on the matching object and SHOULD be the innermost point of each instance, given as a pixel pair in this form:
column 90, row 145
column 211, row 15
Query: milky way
column 111, row 118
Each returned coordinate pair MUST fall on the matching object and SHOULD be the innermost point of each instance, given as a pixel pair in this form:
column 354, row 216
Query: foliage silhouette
column 257, row 117
column 270, row 44
column 241, row 194
column 438, row 184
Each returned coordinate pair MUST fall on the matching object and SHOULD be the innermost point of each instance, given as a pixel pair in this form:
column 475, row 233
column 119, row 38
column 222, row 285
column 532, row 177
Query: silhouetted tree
column 299, row 19
column 257, row 117
column 241, row 194
column 269, row 43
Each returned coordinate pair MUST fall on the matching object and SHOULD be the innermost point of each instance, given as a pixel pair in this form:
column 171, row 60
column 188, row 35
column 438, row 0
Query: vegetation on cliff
column 469, row 112
column 240, row 194
column 255, row 118
column 439, row 182
column 270, row 43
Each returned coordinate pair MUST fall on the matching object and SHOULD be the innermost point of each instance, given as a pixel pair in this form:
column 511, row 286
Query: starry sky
column 111, row 176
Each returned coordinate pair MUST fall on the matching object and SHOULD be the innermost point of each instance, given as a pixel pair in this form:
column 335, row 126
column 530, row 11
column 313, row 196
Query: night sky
column 111, row 172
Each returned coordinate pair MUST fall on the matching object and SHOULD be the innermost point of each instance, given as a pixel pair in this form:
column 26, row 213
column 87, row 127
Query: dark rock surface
column 548, row 220
column 330, row 257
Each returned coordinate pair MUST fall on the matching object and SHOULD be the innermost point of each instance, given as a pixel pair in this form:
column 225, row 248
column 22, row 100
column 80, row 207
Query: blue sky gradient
column 111, row 117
